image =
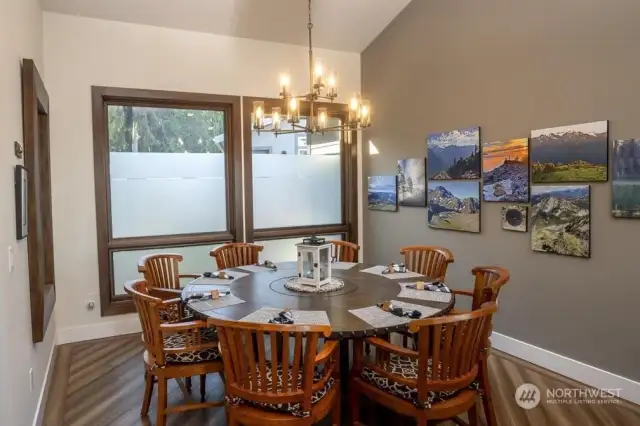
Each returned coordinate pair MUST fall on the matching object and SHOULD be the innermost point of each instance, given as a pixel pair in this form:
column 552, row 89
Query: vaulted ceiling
column 348, row 25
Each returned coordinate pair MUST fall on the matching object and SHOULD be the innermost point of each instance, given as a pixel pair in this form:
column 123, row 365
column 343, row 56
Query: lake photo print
column 625, row 197
column 454, row 154
column 383, row 193
column 561, row 220
column 577, row 153
column 412, row 189
column 505, row 171
column 454, row 205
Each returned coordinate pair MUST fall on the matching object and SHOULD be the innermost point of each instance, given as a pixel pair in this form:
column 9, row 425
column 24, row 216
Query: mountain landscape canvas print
column 625, row 197
column 411, row 182
column 383, row 193
column 454, row 154
column 577, row 153
column 505, row 171
column 454, row 205
column 561, row 220
column 514, row 218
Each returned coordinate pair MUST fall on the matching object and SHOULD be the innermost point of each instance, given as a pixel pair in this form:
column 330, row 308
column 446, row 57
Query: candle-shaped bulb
column 294, row 113
column 276, row 117
column 285, row 82
column 365, row 113
column 258, row 115
column 322, row 118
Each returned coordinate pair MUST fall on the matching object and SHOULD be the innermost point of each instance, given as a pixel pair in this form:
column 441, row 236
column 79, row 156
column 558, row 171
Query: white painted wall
column 81, row 52
column 20, row 37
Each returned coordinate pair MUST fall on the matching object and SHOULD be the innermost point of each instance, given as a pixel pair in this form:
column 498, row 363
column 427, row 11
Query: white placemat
column 263, row 315
column 377, row 270
column 342, row 266
column 434, row 296
column 378, row 318
column 224, row 301
column 254, row 268
column 204, row 280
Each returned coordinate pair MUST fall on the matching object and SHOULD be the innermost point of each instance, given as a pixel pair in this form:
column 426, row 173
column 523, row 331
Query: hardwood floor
column 100, row 383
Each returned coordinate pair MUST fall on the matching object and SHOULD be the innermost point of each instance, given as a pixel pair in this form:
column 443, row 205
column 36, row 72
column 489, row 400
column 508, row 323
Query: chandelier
column 322, row 87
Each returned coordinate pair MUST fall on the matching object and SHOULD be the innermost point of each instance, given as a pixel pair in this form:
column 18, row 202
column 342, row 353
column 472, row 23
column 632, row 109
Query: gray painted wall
column 509, row 67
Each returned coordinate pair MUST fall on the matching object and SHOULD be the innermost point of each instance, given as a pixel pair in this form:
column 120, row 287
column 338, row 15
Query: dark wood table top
column 361, row 290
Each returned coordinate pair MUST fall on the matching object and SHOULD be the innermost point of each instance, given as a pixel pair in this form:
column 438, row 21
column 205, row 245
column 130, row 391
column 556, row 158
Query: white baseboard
column 124, row 325
column 44, row 392
column 576, row 370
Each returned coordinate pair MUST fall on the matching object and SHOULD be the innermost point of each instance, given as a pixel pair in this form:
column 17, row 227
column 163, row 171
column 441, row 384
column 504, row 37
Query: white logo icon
column 527, row 396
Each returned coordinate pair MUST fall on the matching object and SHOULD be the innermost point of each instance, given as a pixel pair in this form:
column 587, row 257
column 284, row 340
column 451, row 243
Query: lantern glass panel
column 307, row 264
column 325, row 260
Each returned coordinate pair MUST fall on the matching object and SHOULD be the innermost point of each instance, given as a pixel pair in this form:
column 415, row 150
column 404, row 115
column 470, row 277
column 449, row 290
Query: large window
column 165, row 180
column 300, row 184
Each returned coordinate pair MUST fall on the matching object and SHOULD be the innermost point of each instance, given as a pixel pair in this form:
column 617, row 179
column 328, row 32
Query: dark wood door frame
column 349, row 178
column 102, row 97
column 35, row 116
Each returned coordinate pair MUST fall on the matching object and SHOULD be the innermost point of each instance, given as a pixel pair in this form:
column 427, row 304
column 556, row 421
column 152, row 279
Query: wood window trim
column 37, row 161
column 111, row 304
column 349, row 178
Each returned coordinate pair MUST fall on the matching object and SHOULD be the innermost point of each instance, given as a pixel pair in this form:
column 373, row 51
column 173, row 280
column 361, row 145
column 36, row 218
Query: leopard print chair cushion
column 172, row 315
column 178, row 340
column 408, row 369
column 293, row 408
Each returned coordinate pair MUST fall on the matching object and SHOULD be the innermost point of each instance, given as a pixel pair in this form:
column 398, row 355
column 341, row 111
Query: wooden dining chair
column 287, row 381
column 232, row 255
column 172, row 350
column 436, row 382
column 487, row 285
column 162, row 270
column 344, row 251
column 431, row 261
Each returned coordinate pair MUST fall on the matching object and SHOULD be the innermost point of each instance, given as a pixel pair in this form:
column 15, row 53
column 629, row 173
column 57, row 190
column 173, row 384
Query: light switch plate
column 11, row 259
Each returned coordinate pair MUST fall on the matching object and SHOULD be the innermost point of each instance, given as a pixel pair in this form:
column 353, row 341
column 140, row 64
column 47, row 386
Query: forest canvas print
column 625, row 197
column 577, row 153
column 412, row 189
column 454, row 154
column 454, row 205
column 514, row 218
column 383, row 193
column 561, row 220
column 505, row 171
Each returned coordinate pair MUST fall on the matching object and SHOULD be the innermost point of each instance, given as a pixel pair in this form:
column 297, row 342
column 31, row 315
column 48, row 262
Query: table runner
column 263, row 315
column 204, row 280
column 223, row 301
column 434, row 296
column 377, row 270
column 378, row 318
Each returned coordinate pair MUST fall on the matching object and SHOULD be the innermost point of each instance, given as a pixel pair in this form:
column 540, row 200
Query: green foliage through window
column 147, row 129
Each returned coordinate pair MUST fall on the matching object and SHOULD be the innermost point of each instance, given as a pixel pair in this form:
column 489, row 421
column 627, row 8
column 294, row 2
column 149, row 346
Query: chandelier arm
column 311, row 92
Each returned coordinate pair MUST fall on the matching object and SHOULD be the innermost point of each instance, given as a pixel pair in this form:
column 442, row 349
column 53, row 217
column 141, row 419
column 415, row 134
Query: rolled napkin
column 268, row 264
column 398, row 311
column 432, row 286
column 284, row 317
column 221, row 275
column 395, row 268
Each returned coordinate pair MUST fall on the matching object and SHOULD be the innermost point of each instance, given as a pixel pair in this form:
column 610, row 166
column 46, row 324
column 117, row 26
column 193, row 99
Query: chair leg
column 148, row 393
column 473, row 415
column 187, row 383
column 336, row 414
column 487, row 398
column 203, row 387
column 161, row 419
column 367, row 349
column 354, row 404
column 231, row 419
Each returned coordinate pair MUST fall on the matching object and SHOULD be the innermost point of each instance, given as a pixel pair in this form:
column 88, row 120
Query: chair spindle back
column 431, row 261
column 236, row 254
column 161, row 270
column 344, row 251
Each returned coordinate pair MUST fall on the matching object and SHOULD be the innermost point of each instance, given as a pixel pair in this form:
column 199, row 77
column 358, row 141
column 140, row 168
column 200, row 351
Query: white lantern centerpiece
column 314, row 262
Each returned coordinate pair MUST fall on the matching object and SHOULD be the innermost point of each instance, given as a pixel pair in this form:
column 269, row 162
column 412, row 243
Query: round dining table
column 361, row 290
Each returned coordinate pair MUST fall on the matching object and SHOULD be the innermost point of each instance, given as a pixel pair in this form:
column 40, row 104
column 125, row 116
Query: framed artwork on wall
column 20, row 182
column 454, row 154
column 505, row 171
column 576, row 153
column 514, row 218
column 625, row 183
column 561, row 220
column 412, row 184
column 454, row 205
column 382, row 193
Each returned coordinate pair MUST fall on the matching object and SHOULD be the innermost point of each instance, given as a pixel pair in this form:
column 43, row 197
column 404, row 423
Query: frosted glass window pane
column 165, row 165
column 285, row 250
column 296, row 179
column 196, row 261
